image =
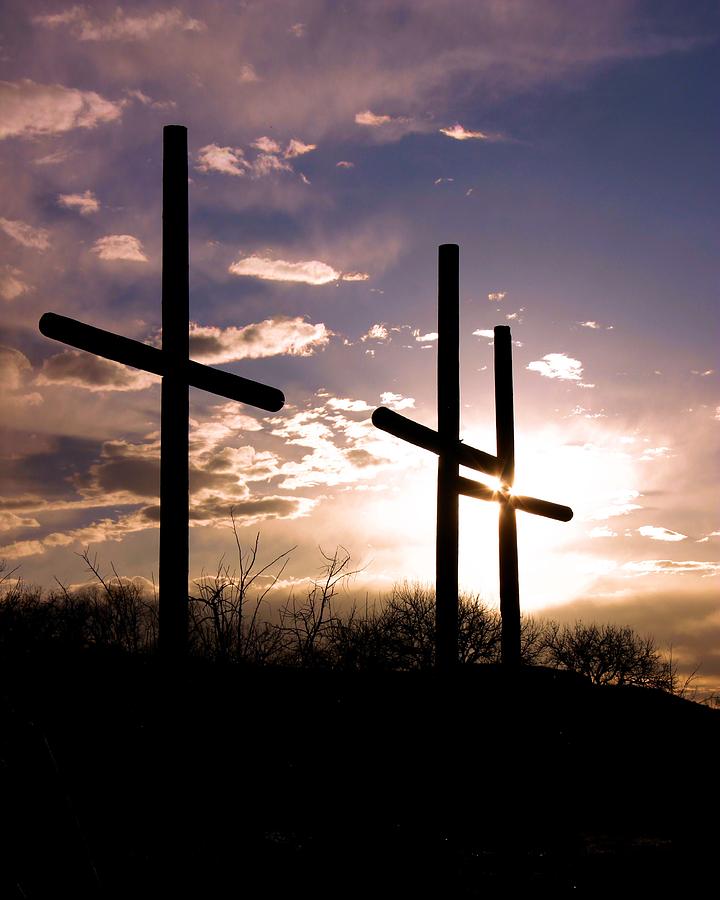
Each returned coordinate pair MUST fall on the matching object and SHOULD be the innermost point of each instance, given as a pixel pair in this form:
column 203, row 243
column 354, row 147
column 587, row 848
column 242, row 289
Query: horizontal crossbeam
column 421, row 436
column 471, row 488
column 151, row 359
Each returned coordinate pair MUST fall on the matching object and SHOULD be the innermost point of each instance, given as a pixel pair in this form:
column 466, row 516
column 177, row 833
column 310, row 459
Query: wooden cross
column 178, row 374
column 452, row 453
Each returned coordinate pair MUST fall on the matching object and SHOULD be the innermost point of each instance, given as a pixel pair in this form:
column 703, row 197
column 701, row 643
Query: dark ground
column 121, row 782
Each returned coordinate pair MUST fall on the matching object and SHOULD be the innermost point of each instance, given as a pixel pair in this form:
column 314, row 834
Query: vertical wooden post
column 174, row 501
column 505, row 429
column 448, row 397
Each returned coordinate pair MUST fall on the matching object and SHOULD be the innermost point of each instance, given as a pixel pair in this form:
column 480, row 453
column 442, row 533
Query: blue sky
column 569, row 148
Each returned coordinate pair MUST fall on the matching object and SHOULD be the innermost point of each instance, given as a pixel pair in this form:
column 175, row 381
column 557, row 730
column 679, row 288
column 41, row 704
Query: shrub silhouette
column 232, row 621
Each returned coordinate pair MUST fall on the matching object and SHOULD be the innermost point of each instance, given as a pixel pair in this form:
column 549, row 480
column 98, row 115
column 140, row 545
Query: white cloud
column 425, row 338
column 348, row 405
column 558, row 365
column 28, row 109
column 228, row 160
column 370, row 119
column 396, row 401
column 36, row 238
column 484, row 332
column 298, row 148
column 85, row 203
column 463, row 134
column 497, row 296
column 345, row 164
column 602, row 531
column 651, row 453
column 11, row 286
column 354, row 276
column 621, row 504
column 272, row 337
column 704, row 540
column 376, row 332
column 310, row 271
column 120, row 27
column 119, row 246
column 671, row 567
column 85, row 370
column 660, row 534
column 266, row 144
column 589, row 324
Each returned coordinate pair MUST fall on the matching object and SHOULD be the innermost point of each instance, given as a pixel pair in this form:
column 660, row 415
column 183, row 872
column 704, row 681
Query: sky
column 569, row 148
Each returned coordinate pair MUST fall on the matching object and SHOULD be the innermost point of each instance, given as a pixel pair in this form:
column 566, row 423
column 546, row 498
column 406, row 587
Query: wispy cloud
column 85, row 370
column 558, row 365
column 122, row 26
column 27, row 235
column 120, row 247
column 11, row 284
column 310, row 271
column 660, row 534
column 272, row 337
column 704, row 540
column 497, row 296
column 672, row 567
column 621, row 504
column 377, row 332
column 464, row 134
column 28, row 109
column 298, row 148
column 484, row 333
column 371, row 119
column 85, row 203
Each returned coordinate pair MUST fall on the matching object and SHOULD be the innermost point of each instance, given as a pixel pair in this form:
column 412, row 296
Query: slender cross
column 178, row 374
column 452, row 453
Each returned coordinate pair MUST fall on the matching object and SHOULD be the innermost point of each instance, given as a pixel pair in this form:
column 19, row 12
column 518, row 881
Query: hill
column 126, row 780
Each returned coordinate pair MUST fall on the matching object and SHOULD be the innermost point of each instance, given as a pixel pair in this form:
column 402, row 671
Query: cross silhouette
column 452, row 453
column 178, row 374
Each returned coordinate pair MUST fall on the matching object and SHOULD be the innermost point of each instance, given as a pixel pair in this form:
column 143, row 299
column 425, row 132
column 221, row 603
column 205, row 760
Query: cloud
column 247, row 74
column 463, row 134
column 425, row 338
column 10, row 521
column 298, row 148
column 348, row 405
column 590, row 324
column 671, row 567
column 121, row 27
column 497, row 296
column 376, row 332
column 11, row 285
column 621, row 504
column 602, row 531
column 227, row 160
column 396, row 401
column 119, row 246
column 558, row 365
column 298, row 29
column 660, row 534
column 232, row 160
column 371, row 119
column 85, row 203
column 485, row 333
column 28, row 109
column 85, row 370
column 704, row 540
column 15, row 372
column 310, row 271
column 272, row 337
column 36, row 238
column 344, row 164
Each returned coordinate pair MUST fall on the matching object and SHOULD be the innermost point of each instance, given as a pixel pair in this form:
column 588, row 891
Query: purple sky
column 569, row 148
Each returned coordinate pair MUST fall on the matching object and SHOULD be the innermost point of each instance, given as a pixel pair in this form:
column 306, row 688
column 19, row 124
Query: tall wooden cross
column 178, row 374
column 452, row 453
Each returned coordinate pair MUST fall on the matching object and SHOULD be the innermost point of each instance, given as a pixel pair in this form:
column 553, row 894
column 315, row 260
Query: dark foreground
column 122, row 782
